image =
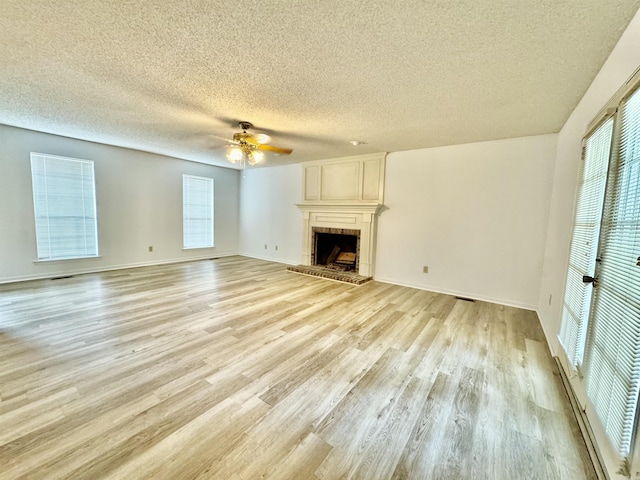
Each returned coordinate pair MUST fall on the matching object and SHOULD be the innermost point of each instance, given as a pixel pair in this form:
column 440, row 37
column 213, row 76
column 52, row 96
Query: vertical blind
column 584, row 243
column 613, row 344
column 197, row 211
column 64, row 203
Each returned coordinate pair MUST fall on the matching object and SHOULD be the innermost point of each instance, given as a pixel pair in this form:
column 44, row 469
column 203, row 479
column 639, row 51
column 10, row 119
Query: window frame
column 187, row 220
column 91, row 228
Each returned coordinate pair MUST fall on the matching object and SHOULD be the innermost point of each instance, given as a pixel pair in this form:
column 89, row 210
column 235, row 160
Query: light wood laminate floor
column 237, row 369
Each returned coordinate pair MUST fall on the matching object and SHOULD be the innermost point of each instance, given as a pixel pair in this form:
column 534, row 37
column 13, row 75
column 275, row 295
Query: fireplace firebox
column 336, row 248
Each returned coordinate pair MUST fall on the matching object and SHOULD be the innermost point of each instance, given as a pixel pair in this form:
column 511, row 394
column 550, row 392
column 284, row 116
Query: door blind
column 613, row 352
column 584, row 243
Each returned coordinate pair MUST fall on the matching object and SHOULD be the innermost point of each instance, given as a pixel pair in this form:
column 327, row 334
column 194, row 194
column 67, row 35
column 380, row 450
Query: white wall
column 268, row 215
column 475, row 214
column 139, row 201
column 620, row 65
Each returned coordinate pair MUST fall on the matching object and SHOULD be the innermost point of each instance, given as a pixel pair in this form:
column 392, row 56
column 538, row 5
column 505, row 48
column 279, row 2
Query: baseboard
column 83, row 271
column 548, row 338
column 268, row 259
column 455, row 293
column 25, row 278
column 583, row 424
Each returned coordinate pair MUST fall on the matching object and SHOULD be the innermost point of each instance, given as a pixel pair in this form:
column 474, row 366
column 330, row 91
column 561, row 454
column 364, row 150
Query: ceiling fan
column 249, row 147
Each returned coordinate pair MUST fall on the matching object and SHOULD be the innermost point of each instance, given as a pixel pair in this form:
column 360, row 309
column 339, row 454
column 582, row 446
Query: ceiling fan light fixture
column 247, row 147
column 235, row 155
column 256, row 156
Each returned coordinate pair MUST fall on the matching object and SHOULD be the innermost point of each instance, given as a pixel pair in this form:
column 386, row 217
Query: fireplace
column 336, row 248
column 347, row 219
column 342, row 196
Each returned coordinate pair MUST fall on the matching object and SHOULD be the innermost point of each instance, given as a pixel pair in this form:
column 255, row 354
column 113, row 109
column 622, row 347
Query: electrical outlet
column 550, row 297
column 276, row 247
column 265, row 246
column 425, row 269
column 150, row 248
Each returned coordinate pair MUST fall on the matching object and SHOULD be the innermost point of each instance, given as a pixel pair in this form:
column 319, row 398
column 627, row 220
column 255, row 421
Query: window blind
column 197, row 211
column 613, row 346
column 64, row 203
column 584, row 243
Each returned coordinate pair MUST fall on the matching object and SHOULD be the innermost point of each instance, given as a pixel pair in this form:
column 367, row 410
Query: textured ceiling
column 173, row 76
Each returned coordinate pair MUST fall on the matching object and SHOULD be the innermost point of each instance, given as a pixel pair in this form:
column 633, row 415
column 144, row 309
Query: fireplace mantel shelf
column 372, row 208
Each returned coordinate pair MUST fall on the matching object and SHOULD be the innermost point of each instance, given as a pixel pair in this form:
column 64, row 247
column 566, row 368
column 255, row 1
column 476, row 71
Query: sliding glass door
column 584, row 244
column 600, row 330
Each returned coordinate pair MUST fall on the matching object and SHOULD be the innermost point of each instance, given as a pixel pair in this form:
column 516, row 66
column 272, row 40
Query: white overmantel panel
column 357, row 179
column 344, row 193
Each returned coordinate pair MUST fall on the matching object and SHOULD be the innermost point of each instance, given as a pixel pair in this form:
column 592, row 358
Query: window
column 64, row 202
column 197, row 211
column 600, row 329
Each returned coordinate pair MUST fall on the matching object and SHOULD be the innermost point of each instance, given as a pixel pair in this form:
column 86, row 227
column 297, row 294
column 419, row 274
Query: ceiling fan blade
column 271, row 148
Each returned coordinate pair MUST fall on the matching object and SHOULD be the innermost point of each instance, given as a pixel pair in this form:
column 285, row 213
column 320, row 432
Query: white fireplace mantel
column 363, row 208
column 361, row 217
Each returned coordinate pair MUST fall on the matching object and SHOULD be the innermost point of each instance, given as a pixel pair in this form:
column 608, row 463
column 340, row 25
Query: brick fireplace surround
column 334, row 231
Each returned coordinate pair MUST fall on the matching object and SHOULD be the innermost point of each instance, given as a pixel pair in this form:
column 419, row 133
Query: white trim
column 418, row 287
column 613, row 103
column 62, row 157
column 354, row 216
column 355, row 161
column 50, row 260
column 41, row 181
column 188, row 199
column 25, row 278
column 473, row 296
column 547, row 337
column 268, row 259
column 583, row 423
column 342, row 207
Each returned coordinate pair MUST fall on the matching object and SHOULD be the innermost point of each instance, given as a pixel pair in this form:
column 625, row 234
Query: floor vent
column 465, row 299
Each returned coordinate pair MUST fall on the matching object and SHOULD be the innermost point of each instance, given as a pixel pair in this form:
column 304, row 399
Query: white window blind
column 197, row 211
column 64, row 203
column 584, row 243
column 613, row 346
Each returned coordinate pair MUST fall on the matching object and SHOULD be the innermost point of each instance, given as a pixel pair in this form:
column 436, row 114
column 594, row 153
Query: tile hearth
column 324, row 272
